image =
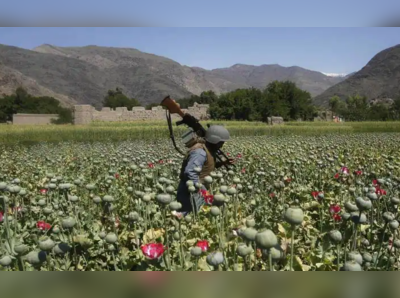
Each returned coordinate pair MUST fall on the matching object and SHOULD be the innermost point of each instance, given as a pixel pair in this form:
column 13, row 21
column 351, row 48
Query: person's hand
column 228, row 162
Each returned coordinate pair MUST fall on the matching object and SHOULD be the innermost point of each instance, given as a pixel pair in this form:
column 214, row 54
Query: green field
column 121, row 131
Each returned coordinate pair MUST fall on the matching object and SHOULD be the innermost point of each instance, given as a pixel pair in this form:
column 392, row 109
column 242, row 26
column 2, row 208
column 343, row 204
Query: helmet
column 216, row 134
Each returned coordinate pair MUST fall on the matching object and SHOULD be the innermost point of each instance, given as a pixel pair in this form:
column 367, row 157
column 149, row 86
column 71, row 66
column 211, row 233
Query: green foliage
column 22, row 102
column 283, row 99
column 357, row 108
column 115, row 99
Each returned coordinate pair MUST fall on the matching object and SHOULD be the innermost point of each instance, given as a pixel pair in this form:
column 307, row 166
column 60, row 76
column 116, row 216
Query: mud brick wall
column 85, row 114
column 33, row 119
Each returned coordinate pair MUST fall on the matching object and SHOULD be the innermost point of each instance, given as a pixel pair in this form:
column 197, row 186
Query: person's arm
column 197, row 158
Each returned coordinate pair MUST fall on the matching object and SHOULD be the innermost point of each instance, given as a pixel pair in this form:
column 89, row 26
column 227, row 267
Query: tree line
column 358, row 108
column 22, row 102
column 279, row 98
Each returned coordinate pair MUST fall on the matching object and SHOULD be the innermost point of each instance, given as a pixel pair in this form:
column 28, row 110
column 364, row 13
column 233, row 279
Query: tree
column 22, row 102
column 395, row 109
column 115, row 99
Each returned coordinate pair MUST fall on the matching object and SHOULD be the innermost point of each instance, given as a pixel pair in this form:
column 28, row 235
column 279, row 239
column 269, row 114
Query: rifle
column 173, row 108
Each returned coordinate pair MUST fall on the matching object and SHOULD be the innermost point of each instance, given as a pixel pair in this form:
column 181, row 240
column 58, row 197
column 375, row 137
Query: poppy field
column 305, row 203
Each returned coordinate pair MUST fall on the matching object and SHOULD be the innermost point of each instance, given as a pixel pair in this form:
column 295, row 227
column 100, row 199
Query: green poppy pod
column 189, row 183
column 170, row 189
column 250, row 234
column 192, row 189
column 395, row 201
column 68, row 223
column 232, row 191
column 196, row 251
column 177, row 236
column 97, row 200
column 294, row 215
column 47, row 210
column 250, row 222
column 394, row 225
column 36, row 257
column 175, row 205
column 90, row 187
column 388, row 216
column 363, row 203
column 164, row 199
column 367, row 257
column 243, row 250
column 208, row 179
column 46, row 244
column 372, row 196
column 356, row 256
column 277, row 252
column 42, row 202
column 352, row 266
column 21, row 249
column 5, row 261
column 215, row 211
column 111, row 238
column 350, row 207
column 219, row 198
column 3, row 185
column 223, row 189
column 335, row 236
column 266, row 239
column 73, row 198
column 236, row 180
column 215, row 259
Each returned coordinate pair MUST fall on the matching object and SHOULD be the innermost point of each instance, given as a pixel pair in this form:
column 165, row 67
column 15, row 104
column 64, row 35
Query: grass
column 149, row 130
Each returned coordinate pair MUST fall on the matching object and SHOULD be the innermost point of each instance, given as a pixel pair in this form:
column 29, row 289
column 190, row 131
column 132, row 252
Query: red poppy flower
column 1, row 216
column 375, row 182
column 334, row 209
column 288, row 180
column 203, row 244
column 43, row 191
column 358, row 173
column 153, row 250
column 117, row 176
column 315, row 194
column 271, row 195
column 380, row 192
column 151, row 165
column 44, row 226
column 161, row 161
column 209, row 199
column 337, row 217
column 337, row 176
column 239, row 156
column 228, row 154
column 243, row 170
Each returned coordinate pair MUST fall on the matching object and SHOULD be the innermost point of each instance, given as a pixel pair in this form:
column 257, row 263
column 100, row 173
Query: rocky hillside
column 85, row 74
column 379, row 79
column 258, row 76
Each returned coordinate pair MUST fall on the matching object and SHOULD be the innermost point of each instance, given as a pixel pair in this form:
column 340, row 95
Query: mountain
column 379, row 79
column 85, row 74
column 259, row 76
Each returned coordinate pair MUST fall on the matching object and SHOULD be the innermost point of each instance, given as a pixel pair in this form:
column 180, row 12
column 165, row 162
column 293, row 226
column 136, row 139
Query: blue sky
column 226, row 13
column 331, row 50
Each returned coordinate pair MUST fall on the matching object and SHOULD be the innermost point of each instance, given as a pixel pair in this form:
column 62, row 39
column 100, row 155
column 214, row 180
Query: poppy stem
column 292, row 247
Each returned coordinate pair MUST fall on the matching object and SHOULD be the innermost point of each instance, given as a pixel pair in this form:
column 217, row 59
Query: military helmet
column 216, row 134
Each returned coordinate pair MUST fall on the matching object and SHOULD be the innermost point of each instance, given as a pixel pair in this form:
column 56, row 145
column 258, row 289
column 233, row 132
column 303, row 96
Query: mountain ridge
column 378, row 79
column 83, row 75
